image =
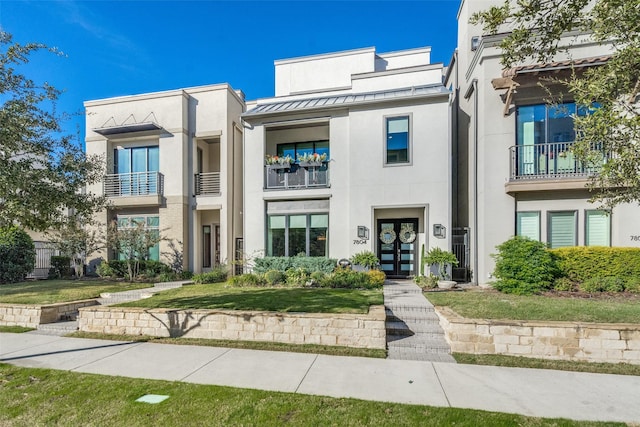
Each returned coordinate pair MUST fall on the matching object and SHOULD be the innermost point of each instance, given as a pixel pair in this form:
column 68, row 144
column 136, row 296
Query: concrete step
column 58, row 328
column 425, row 318
column 407, row 329
column 414, row 354
column 418, row 342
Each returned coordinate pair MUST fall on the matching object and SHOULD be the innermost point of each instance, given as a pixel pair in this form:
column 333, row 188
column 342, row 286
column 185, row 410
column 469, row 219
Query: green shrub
column 326, row 265
column 602, row 284
column 217, row 275
column 317, row 277
column 376, row 278
column 105, row 270
column 275, row 277
column 147, row 268
column 632, row 284
column 349, row 279
column 428, row 282
column 60, row 267
column 247, row 279
column 524, row 266
column 564, row 284
column 366, row 259
column 297, row 276
column 186, row 275
column 168, row 277
column 585, row 262
column 17, row 255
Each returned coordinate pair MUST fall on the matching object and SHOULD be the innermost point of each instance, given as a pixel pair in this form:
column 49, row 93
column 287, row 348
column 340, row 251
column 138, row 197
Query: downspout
column 233, row 199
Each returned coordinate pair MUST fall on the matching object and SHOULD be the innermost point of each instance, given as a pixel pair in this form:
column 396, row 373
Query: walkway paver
column 540, row 393
column 413, row 327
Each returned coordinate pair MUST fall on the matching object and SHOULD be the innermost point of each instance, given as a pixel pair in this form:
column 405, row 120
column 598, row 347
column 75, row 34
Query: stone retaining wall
column 592, row 342
column 352, row 330
column 30, row 316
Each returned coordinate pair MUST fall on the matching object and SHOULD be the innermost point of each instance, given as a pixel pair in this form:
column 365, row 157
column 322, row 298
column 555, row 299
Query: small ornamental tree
column 17, row 254
column 524, row 266
column 133, row 244
column 77, row 240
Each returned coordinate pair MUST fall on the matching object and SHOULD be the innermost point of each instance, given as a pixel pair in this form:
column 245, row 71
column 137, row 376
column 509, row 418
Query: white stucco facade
column 173, row 159
column 344, row 102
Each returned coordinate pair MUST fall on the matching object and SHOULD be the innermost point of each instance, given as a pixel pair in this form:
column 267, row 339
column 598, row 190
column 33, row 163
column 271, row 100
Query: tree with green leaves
column 43, row 173
column 77, row 240
column 133, row 243
column 542, row 29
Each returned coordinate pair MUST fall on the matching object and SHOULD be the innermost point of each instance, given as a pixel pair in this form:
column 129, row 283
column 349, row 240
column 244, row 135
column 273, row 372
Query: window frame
column 295, row 147
column 287, row 227
column 586, row 234
column 385, row 138
column 539, row 213
column 131, row 223
column 576, row 225
column 130, row 150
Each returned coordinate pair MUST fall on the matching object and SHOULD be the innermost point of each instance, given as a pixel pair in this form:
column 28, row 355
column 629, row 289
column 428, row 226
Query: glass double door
column 397, row 246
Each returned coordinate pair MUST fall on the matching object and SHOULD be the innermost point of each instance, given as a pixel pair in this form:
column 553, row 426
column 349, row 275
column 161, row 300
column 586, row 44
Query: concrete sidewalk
column 540, row 393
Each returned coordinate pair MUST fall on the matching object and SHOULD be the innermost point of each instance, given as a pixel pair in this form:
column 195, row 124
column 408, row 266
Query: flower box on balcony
column 279, row 166
column 311, row 164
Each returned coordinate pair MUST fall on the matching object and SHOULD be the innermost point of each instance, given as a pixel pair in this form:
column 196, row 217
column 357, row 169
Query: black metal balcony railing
column 207, row 184
column 551, row 161
column 296, row 176
column 133, row 184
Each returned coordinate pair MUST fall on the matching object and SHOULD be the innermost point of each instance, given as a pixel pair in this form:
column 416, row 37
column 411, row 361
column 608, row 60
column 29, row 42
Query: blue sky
column 128, row 47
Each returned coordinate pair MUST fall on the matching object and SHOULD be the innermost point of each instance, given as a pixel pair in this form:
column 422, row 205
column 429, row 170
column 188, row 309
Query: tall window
column 291, row 235
column 151, row 223
column 131, row 164
column 397, row 140
column 597, row 228
column 528, row 224
column 295, row 149
column 562, row 229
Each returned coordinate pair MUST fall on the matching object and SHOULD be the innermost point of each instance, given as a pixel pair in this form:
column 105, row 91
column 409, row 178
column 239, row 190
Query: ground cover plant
column 484, row 304
column 219, row 296
column 560, row 365
column 332, row 350
column 53, row 291
column 61, row 398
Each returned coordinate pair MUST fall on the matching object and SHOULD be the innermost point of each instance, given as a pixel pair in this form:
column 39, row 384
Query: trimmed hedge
column 17, row 254
column 146, row 267
column 581, row 263
column 310, row 264
column 217, row 275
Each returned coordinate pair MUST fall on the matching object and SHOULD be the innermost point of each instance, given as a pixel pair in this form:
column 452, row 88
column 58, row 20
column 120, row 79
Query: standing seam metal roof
column 326, row 101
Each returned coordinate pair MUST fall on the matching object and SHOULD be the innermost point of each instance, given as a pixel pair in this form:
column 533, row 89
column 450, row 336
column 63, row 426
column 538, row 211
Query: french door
column 397, row 246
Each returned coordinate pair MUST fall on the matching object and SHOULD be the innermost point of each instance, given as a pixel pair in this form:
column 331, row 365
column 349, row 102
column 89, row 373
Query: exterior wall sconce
column 363, row 232
column 439, row 231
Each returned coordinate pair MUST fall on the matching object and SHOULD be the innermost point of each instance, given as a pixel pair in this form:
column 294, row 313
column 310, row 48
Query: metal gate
column 44, row 252
column 460, row 238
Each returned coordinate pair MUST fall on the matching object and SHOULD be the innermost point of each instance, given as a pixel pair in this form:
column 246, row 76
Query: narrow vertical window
column 597, row 228
column 276, row 236
column 206, row 246
column 561, row 229
column 528, row 225
column 397, row 140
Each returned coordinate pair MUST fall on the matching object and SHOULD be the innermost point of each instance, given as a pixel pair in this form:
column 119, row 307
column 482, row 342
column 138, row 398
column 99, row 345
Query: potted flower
column 278, row 162
column 312, row 159
column 364, row 261
column 443, row 260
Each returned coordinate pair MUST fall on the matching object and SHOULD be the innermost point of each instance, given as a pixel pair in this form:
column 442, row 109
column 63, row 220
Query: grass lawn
column 482, row 304
column 559, row 365
column 219, row 296
column 252, row 345
column 15, row 329
column 32, row 397
column 53, row 291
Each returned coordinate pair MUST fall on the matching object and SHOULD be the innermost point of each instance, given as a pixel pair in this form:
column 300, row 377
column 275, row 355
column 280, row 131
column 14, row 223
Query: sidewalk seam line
column 441, row 386
column 136, row 344
column 206, row 364
column 306, row 373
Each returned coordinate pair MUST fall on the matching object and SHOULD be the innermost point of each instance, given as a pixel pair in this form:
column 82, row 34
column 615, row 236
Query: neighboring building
column 173, row 160
column 382, row 120
column 516, row 174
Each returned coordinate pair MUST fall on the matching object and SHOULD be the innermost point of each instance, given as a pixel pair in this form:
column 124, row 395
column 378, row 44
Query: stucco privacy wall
column 591, row 342
column 352, row 330
column 30, row 316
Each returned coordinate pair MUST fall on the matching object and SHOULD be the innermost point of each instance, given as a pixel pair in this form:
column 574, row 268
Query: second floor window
column 296, row 149
column 543, row 123
column 136, row 159
column 397, row 143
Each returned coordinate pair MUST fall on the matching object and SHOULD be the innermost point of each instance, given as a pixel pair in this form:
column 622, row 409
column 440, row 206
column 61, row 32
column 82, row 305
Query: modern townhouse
column 367, row 134
column 515, row 171
column 173, row 161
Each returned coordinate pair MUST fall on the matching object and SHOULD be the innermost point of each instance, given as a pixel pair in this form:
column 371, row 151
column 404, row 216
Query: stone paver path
column 413, row 327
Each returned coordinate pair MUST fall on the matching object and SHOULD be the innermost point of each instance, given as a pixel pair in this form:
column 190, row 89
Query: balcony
column 296, row 177
column 134, row 189
column 207, row 184
column 550, row 166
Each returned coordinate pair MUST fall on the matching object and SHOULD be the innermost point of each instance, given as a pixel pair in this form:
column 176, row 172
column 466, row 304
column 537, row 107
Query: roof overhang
column 149, row 127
